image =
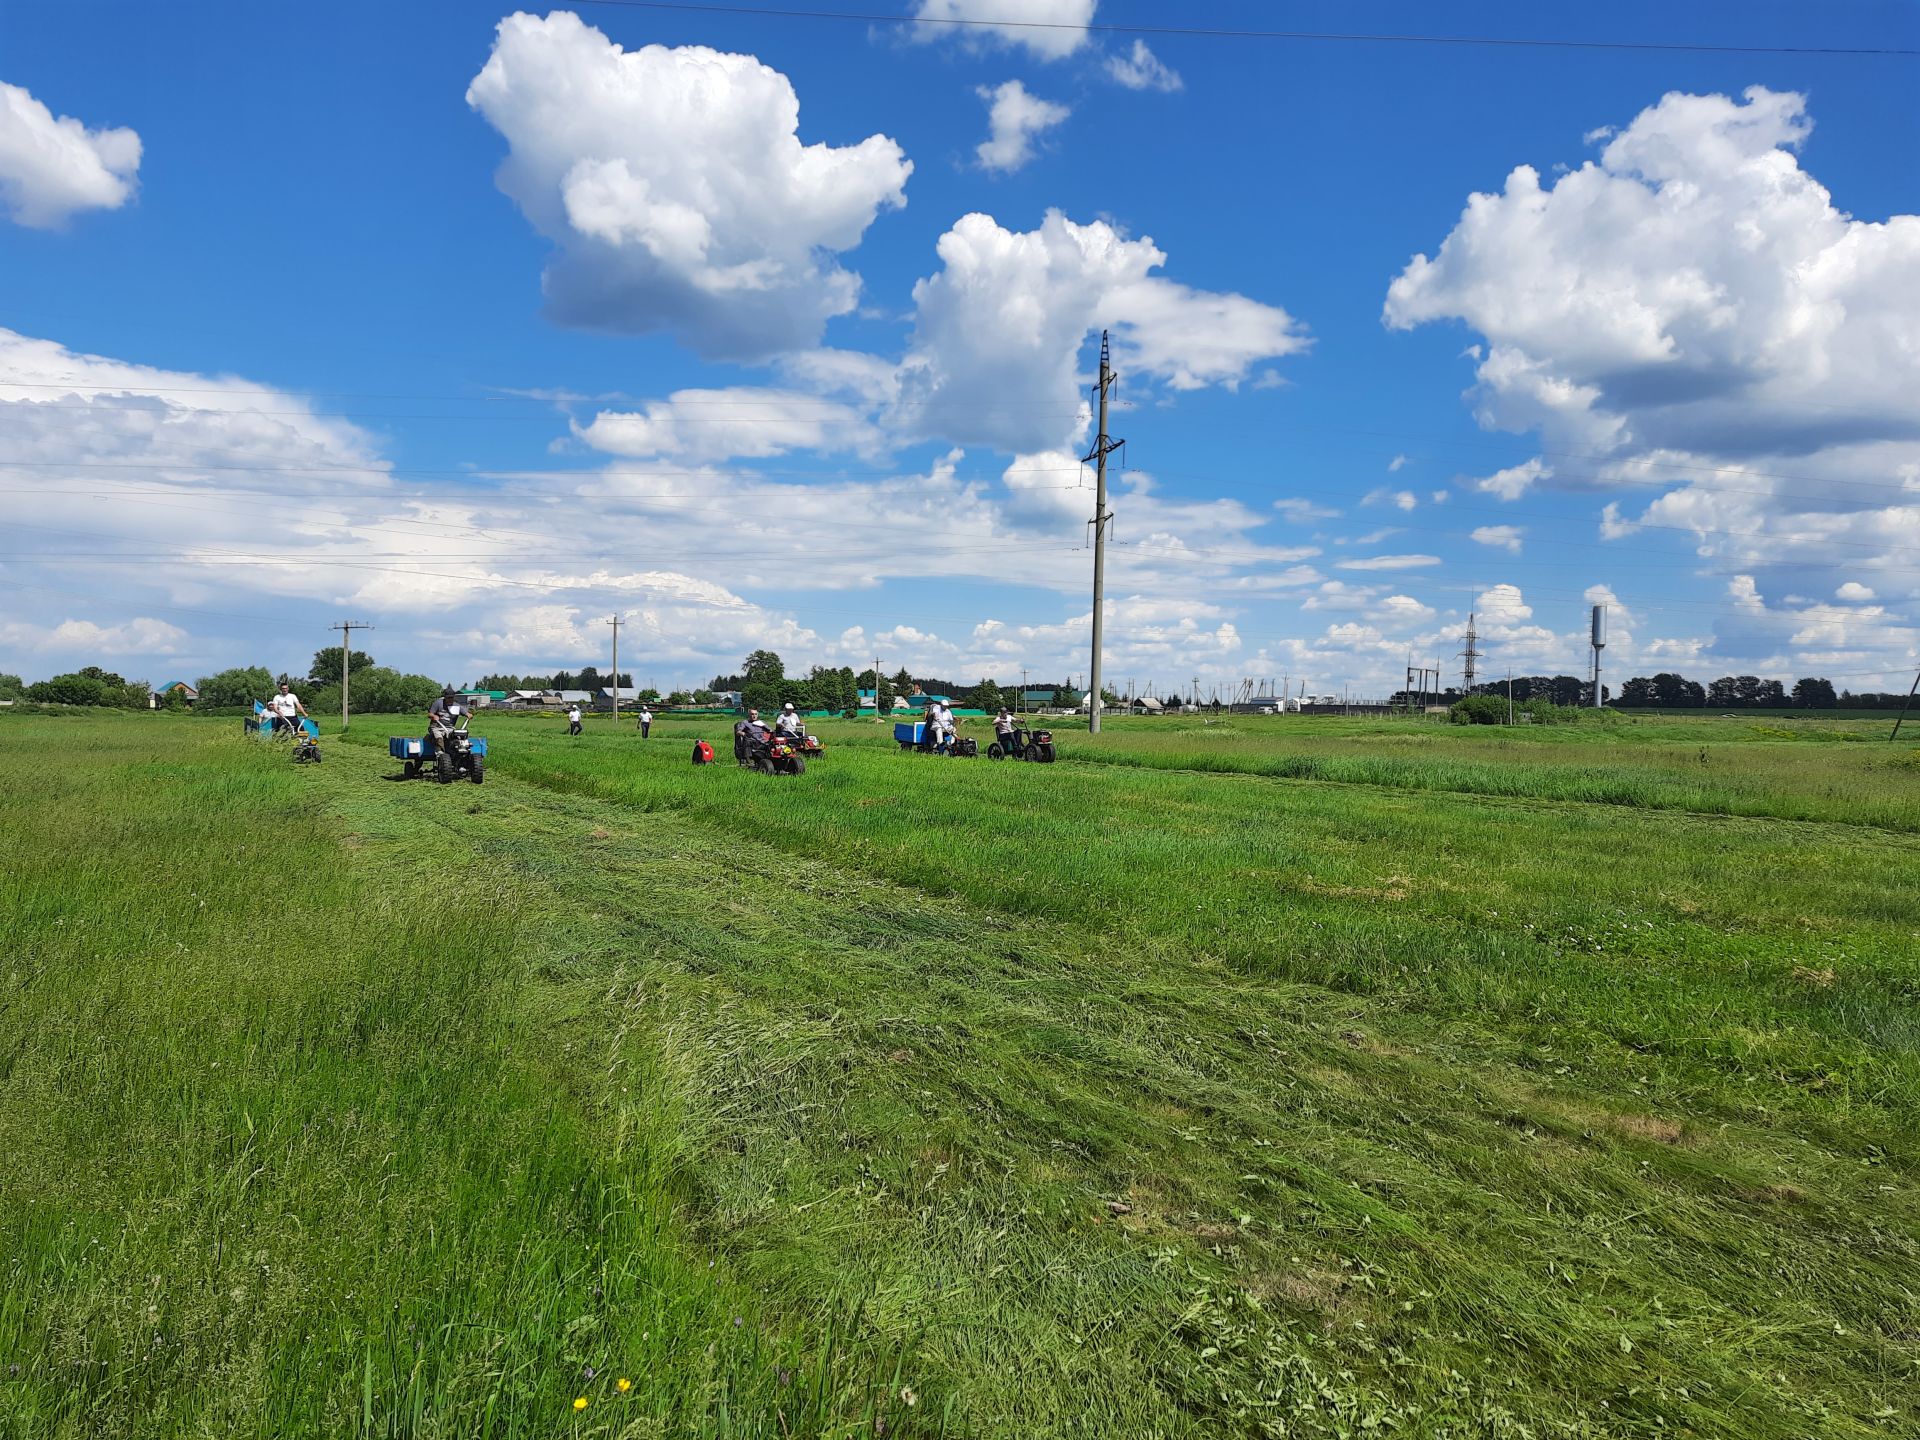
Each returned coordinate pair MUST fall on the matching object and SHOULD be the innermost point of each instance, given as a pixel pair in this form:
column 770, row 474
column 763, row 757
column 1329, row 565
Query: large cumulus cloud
column 676, row 190
column 1008, row 312
column 1691, row 311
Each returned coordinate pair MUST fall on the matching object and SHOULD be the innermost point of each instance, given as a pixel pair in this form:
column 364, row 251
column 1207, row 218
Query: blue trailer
column 463, row 758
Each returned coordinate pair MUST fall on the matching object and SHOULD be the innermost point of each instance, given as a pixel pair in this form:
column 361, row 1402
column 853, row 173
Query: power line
column 1209, row 33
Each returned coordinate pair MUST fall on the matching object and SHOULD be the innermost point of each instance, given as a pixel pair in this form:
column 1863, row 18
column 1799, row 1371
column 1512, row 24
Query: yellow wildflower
column 580, row 1403
column 623, row 1384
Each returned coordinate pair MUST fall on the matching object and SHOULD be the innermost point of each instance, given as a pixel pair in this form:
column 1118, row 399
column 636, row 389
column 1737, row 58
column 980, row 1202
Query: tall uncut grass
column 288, row 1146
column 916, row 1097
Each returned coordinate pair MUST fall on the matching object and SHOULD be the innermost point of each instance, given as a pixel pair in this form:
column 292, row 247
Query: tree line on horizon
column 763, row 683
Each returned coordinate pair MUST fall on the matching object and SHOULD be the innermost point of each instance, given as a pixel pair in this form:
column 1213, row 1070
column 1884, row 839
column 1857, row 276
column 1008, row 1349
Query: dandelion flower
column 580, row 1402
column 623, row 1384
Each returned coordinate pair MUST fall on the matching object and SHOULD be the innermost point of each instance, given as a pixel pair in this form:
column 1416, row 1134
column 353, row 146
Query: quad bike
column 776, row 755
column 922, row 739
column 1034, row 745
column 808, row 745
column 459, row 757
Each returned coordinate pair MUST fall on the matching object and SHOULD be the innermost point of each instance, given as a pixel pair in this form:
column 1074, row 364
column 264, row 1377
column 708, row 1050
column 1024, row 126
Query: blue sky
column 294, row 364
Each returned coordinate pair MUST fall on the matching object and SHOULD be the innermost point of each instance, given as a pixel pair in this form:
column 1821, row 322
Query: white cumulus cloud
column 744, row 422
column 1505, row 537
column 50, row 167
column 1008, row 312
column 1514, row 481
column 1015, row 121
column 675, row 188
column 1048, row 29
column 1141, row 69
column 1693, row 312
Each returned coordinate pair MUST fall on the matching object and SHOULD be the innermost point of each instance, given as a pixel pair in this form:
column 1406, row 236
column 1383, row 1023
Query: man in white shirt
column 284, row 706
column 573, row 720
column 789, row 724
column 646, row 719
column 940, row 721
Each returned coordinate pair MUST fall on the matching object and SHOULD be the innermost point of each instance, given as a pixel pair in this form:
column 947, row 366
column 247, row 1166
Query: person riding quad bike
column 442, row 716
column 747, row 734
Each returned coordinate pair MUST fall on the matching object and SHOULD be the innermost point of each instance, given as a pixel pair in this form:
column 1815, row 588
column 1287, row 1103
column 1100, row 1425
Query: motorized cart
column 462, row 757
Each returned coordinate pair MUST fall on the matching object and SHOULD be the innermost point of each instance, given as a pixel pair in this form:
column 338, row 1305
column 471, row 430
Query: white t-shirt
column 788, row 723
column 574, row 713
column 646, row 715
column 286, row 706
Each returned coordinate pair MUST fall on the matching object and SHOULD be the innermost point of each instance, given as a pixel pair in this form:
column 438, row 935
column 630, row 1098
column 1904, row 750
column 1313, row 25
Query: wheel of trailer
column 411, row 769
column 443, row 768
column 996, row 751
column 479, row 770
column 1043, row 754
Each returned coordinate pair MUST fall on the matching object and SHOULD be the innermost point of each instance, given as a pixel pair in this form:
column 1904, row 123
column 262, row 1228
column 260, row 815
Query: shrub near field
column 963, row 1081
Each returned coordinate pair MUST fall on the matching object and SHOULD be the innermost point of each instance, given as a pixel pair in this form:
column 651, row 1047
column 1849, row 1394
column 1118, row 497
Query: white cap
column 787, row 706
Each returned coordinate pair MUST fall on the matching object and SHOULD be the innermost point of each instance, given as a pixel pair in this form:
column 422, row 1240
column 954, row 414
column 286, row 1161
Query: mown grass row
column 1104, row 1185
column 1688, row 935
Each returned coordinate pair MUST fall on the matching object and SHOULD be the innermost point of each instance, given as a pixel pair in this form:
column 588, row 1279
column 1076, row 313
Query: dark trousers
column 573, row 727
column 645, row 726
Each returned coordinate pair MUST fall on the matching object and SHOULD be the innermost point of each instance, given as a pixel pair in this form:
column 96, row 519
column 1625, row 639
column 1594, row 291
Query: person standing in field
column 573, row 720
column 646, row 720
column 284, row 706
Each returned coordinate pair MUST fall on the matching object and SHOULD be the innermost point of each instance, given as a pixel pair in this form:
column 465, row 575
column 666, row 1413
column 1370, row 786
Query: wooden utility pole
column 615, row 623
column 346, row 629
column 1102, row 447
column 1903, row 709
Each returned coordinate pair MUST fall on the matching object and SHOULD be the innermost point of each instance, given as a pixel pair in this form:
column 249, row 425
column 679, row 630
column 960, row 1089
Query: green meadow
column 1271, row 1077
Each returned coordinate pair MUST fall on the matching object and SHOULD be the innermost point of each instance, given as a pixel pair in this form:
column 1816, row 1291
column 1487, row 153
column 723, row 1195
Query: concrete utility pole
column 346, row 629
column 615, row 623
column 1599, row 641
column 1102, row 447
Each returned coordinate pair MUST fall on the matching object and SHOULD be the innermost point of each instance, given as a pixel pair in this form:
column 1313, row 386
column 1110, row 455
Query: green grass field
column 1275, row 1077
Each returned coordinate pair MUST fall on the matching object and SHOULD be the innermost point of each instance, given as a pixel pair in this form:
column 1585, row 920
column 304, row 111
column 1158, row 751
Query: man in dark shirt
column 441, row 717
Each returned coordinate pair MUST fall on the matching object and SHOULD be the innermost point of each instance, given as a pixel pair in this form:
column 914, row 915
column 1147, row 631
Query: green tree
column 12, row 687
column 239, row 686
column 378, row 690
column 986, row 696
column 326, row 665
column 1813, row 694
column 73, row 689
column 762, row 667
